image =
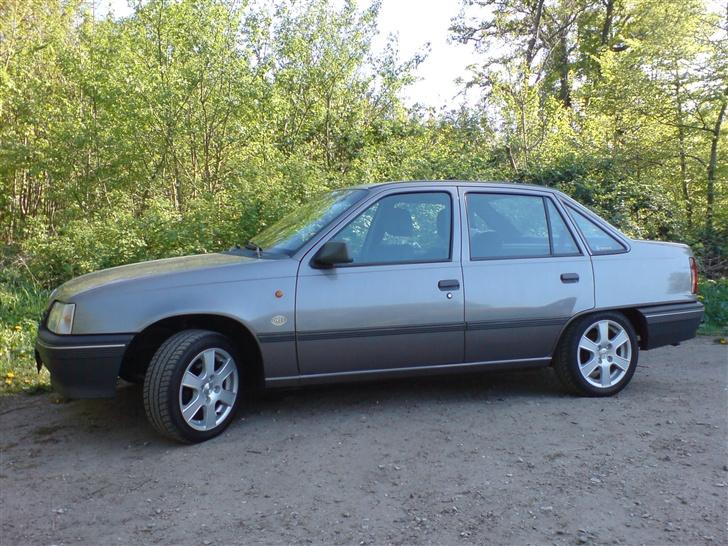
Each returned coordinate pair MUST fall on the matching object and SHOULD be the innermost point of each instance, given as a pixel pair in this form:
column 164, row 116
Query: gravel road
column 492, row 458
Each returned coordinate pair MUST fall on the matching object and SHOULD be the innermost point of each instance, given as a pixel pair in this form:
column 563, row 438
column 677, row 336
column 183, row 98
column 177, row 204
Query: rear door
column 400, row 302
column 525, row 274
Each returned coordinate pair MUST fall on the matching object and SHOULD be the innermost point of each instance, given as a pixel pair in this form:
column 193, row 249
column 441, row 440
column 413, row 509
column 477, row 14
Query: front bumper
column 81, row 366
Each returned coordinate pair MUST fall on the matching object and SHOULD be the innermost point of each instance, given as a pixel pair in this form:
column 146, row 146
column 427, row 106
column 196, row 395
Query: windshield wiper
column 250, row 245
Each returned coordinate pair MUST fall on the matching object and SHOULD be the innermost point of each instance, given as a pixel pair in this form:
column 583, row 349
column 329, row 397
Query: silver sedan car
column 379, row 281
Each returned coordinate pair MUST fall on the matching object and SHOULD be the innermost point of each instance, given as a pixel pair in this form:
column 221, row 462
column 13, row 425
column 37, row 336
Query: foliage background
column 192, row 124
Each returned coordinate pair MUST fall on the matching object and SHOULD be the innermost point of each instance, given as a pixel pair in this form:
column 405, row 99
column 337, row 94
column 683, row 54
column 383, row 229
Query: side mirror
column 332, row 253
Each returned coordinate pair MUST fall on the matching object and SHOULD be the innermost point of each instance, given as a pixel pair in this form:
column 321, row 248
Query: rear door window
column 516, row 226
column 507, row 226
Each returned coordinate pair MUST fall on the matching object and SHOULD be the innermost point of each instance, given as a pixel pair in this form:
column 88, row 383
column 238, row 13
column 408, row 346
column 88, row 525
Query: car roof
column 464, row 183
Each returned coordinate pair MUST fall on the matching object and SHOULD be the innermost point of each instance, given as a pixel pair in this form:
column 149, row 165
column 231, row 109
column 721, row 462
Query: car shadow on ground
column 122, row 420
column 120, row 423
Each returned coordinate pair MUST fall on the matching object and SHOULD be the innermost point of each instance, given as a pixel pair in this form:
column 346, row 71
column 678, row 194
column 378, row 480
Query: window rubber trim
column 449, row 259
column 609, row 232
column 548, row 226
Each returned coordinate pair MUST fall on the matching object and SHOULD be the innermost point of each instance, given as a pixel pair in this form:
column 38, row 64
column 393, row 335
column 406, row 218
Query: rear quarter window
column 598, row 239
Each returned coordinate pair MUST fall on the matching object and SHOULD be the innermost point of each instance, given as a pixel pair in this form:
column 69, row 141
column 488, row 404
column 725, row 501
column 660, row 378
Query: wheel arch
column 144, row 344
column 636, row 319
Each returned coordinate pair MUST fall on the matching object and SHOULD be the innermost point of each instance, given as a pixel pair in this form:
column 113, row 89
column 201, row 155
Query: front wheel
column 192, row 386
column 597, row 355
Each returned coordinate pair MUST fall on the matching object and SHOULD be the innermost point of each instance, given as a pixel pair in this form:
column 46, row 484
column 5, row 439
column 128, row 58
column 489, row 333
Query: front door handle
column 569, row 277
column 449, row 284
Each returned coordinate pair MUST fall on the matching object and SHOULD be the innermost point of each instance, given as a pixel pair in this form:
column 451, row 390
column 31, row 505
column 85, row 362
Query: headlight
column 60, row 319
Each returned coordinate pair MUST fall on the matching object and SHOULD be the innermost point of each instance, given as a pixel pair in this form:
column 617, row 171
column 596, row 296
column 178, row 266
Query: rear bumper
column 81, row 366
column 670, row 324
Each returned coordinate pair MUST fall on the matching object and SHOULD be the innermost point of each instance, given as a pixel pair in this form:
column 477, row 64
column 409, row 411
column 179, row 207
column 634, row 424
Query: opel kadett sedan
column 386, row 280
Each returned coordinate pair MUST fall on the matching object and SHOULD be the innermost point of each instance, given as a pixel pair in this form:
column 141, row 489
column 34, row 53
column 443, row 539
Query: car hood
column 170, row 271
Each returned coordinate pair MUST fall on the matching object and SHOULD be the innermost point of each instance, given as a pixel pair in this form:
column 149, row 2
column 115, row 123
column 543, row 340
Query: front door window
column 401, row 228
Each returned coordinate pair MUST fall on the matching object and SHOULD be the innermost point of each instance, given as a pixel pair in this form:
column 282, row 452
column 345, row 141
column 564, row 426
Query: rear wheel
column 597, row 355
column 192, row 386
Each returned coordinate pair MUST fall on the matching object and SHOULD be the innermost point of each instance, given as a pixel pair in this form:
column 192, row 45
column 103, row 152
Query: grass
column 21, row 304
column 22, row 301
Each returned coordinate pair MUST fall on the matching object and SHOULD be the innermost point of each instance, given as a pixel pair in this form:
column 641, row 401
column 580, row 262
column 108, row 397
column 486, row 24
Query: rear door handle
column 569, row 277
column 449, row 284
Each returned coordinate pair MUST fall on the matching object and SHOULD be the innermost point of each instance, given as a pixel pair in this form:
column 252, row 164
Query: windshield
column 294, row 230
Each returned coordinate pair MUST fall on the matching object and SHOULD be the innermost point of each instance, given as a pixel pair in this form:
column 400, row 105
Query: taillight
column 694, row 275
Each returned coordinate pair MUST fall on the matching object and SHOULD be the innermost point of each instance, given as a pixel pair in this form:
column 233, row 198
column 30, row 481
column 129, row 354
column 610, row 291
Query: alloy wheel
column 208, row 389
column 605, row 354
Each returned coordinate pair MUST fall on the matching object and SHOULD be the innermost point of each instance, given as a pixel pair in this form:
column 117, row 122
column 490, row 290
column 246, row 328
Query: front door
column 525, row 275
column 399, row 303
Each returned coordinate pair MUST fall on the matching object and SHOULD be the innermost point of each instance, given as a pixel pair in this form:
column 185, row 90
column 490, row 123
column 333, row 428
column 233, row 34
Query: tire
column 192, row 388
column 589, row 365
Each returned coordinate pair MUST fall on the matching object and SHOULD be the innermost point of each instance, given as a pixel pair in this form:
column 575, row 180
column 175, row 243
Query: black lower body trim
column 82, row 366
column 670, row 324
column 361, row 332
column 403, row 330
column 277, row 337
column 520, row 323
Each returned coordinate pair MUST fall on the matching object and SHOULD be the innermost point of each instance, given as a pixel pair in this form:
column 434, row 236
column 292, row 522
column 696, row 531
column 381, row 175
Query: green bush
column 116, row 234
column 714, row 295
column 21, row 304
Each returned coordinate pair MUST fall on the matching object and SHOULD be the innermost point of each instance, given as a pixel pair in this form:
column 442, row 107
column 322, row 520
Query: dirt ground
column 493, row 458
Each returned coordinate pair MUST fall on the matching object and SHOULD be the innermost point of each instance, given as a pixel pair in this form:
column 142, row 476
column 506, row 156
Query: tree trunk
column 608, row 19
column 534, row 33
column 712, row 167
column 564, row 87
column 683, row 158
